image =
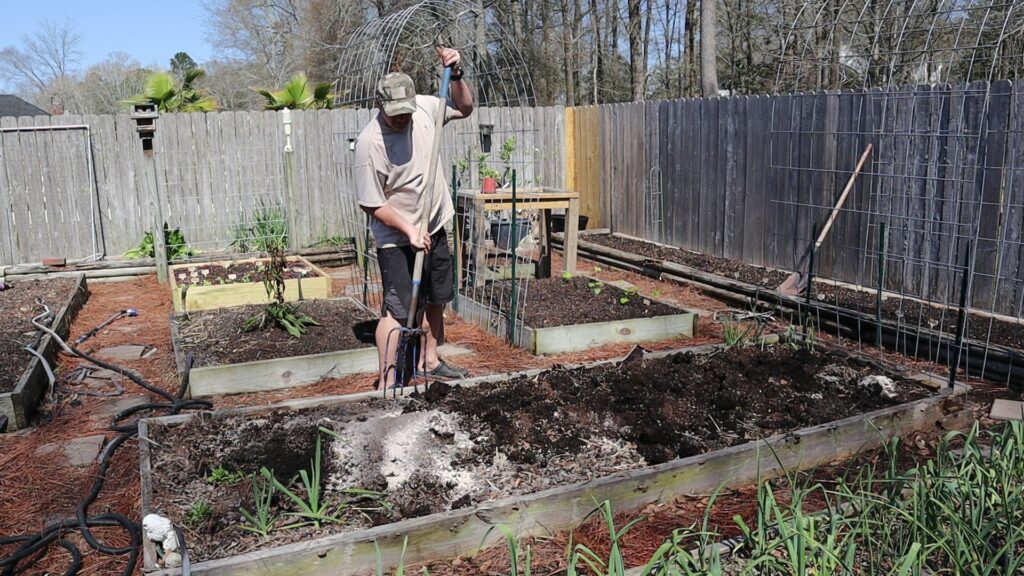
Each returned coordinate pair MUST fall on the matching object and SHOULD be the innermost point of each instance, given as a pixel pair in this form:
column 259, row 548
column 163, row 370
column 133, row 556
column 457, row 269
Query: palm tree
column 161, row 90
column 297, row 95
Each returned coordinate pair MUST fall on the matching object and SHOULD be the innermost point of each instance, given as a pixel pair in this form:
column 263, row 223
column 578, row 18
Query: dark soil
column 671, row 407
column 17, row 308
column 216, row 336
column 512, row 437
column 235, row 273
column 905, row 311
column 565, row 302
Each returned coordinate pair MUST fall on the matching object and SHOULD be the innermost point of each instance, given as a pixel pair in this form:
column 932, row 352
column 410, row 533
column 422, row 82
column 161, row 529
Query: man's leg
column 387, row 337
column 433, row 328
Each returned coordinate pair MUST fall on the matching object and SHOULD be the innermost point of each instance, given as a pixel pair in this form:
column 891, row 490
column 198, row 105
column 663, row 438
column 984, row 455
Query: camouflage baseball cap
column 397, row 93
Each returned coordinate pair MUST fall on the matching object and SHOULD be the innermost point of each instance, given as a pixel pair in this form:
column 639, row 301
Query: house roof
column 11, row 105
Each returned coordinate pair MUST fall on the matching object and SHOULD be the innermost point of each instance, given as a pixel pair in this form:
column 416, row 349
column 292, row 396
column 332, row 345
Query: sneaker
column 445, row 371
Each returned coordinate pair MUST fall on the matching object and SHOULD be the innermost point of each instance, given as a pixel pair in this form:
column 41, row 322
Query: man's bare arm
column 389, row 217
column 460, row 95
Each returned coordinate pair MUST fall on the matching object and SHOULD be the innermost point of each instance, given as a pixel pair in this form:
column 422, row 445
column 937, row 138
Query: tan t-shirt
column 391, row 168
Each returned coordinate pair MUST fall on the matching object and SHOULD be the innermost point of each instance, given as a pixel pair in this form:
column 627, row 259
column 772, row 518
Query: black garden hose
column 31, row 545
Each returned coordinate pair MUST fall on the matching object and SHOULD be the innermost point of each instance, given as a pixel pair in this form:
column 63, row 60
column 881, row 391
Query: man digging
column 393, row 156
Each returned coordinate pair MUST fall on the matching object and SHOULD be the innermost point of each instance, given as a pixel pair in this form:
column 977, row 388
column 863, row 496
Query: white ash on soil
column 432, row 461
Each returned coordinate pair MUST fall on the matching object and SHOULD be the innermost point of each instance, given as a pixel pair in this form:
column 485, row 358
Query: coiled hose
column 30, row 545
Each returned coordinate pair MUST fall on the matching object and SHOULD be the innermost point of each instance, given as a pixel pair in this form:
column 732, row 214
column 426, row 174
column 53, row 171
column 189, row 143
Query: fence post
column 883, row 249
column 289, row 181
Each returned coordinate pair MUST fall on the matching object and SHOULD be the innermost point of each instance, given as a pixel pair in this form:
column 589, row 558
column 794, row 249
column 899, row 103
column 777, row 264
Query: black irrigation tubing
column 31, row 545
column 990, row 361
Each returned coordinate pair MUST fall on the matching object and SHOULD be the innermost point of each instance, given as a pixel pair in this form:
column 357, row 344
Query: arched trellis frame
column 936, row 214
column 499, row 139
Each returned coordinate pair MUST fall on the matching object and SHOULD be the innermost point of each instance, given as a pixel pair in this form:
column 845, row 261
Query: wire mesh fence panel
column 221, row 178
column 926, row 243
column 501, row 138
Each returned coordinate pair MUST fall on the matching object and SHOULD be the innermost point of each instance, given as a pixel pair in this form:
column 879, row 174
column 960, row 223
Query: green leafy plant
column 265, row 229
column 627, row 295
column 614, row 564
column 222, row 476
column 567, row 276
column 175, row 246
column 740, row 333
column 261, row 521
column 484, row 170
column 198, row 512
column 324, row 240
column 298, row 94
column 595, row 287
column 277, row 312
column 508, row 150
column 313, row 508
column 162, row 90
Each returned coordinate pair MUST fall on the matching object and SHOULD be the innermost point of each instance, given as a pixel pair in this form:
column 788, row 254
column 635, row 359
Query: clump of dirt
column 235, row 273
column 217, row 336
column 17, row 308
column 670, row 407
column 566, row 301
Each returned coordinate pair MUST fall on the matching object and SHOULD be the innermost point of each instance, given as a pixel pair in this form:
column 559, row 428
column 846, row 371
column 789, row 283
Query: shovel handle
column 842, row 197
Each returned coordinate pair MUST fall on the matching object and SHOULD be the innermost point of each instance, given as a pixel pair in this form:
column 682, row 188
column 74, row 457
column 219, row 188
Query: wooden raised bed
column 272, row 374
column 19, row 405
column 465, row 530
column 576, row 337
column 987, row 360
column 316, row 285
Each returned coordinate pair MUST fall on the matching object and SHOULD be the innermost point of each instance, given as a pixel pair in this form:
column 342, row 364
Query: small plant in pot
column 488, row 177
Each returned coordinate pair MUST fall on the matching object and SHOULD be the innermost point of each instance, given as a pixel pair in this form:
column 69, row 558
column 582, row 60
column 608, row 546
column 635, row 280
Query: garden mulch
column 909, row 313
column 18, row 305
column 452, row 447
column 568, row 301
column 218, row 336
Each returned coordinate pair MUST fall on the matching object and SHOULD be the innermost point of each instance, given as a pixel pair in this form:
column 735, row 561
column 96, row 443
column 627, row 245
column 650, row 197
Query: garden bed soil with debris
column 217, row 336
column 235, row 272
column 553, row 302
column 453, row 447
column 18, row 305
column 905, row 311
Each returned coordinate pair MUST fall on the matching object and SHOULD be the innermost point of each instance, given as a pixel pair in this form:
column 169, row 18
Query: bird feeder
column 144, row 116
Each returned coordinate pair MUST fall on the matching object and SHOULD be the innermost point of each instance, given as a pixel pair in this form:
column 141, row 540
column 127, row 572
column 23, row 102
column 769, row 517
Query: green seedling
column 261, row 521
column 198, row 512
column 595, row 287
column 313, row 508
column 567, row 276
column 628, row 295
column 221, row 476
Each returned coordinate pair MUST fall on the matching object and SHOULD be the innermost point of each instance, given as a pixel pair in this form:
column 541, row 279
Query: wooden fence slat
column 1011, row 277
column 990, row 196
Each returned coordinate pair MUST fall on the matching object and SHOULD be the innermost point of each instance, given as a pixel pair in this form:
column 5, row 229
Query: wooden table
column 472, row 208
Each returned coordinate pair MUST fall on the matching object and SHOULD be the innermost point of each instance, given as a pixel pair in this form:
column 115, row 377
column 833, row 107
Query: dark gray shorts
column 396, row 265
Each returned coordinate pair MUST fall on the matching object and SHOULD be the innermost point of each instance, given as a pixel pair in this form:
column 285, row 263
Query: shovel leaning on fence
column 796, row 283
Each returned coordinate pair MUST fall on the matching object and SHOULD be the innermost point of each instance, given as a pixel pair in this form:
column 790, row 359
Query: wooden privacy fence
column 60, row 190
column 747, row 177
column 741, row 177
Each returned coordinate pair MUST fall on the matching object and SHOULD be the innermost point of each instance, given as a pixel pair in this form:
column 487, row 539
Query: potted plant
column 488, row 176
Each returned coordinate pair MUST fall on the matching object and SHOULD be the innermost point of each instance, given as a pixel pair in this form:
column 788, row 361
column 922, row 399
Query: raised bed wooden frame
column 576, row 337
column 315, row 286
column 463, row 531
column 272, row 374
column 992, row 361
column 19, row 405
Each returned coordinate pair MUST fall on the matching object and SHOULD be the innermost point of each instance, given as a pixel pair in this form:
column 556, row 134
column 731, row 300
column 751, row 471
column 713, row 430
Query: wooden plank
column 935, row 190
column 279, row 373
column 462, row 531
column 709, row 190
column 990, row 191
column 1011, row 283
column 243, row 293
column 755, row 134
column 735, row 197
column 693, row 173
column 920, row 168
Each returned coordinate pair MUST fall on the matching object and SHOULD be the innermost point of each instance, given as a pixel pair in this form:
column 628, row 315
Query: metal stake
column 513, row 238
column 883, row 243
column 961, row 317
column 810, row 272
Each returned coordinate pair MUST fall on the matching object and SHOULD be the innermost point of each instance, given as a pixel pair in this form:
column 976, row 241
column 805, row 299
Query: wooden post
column 289, row 181
column 572, row 224
column 157, row 204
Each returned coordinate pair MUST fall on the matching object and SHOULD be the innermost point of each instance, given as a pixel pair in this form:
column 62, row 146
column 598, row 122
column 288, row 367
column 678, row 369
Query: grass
column 263, row 230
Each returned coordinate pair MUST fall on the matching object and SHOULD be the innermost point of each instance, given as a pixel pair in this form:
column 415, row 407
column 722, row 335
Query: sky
column 151, row 32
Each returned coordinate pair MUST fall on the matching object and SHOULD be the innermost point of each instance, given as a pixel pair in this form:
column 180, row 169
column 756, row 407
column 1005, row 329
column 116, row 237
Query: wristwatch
column 456, row 74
